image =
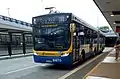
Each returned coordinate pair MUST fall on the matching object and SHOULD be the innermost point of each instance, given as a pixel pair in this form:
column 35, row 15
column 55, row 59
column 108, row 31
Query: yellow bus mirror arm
column 72, row 27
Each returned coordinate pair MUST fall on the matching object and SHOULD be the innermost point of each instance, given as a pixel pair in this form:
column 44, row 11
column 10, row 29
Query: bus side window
column 86, row 40
column 95, row 41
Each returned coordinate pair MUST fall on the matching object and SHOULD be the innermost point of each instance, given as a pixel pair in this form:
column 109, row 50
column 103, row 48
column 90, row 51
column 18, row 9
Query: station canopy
column 111, row 11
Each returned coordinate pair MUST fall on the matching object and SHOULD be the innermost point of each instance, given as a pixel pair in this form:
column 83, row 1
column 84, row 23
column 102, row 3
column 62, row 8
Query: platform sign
column 118, row 29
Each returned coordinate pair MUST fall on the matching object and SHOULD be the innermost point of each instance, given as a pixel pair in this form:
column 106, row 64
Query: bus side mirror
column 72, row 27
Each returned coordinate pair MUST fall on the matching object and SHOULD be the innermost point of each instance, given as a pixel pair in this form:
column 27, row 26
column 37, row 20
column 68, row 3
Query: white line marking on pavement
column 24, row 68
column 80, row 67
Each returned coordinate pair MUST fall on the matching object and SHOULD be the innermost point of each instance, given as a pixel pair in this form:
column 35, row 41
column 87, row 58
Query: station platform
column 109, row 68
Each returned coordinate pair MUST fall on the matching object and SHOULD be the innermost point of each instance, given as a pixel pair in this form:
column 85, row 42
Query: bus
column 63, row 38
column 110, row 39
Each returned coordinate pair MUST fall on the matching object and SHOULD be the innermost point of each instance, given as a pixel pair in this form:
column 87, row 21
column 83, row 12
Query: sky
column 26, row 9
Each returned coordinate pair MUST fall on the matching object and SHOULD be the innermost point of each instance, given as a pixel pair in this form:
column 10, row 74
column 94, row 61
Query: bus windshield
column 52, row 38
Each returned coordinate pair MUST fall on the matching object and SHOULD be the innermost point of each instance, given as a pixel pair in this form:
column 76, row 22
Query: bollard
column 24, row 48
column 9, row 49
column 9, row 44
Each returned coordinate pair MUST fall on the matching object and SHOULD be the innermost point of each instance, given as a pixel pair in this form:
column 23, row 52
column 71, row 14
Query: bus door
column 81, row 37
column 75, row 47
column 75, row 54
column 81, row 41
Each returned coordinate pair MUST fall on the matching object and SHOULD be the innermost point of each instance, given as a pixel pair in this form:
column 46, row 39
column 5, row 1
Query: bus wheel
column 83, row 55
column 95, row 51
column 80, row 56
column 103, row 48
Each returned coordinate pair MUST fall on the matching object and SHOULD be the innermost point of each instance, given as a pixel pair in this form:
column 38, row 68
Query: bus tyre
column 83, row 55
column 103, row 48
column 79, row 56
column 95, row 51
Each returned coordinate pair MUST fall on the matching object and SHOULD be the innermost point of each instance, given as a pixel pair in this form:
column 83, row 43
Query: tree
column 104, row 29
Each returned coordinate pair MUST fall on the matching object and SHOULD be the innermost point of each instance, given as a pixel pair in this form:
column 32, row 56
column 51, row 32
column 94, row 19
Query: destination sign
column 49, row 25
column 51, row 19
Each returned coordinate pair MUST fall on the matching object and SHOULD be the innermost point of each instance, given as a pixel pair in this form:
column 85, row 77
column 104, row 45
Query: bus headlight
column 34, row 53
column 64, row 54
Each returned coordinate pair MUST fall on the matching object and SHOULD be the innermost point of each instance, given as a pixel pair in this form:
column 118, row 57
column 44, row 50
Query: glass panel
column 3, row 44
column 28, row 43
column 17, row 44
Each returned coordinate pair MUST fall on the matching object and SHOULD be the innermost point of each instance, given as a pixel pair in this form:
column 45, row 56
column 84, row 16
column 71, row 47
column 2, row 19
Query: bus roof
column 77, row 19
column 52, row 14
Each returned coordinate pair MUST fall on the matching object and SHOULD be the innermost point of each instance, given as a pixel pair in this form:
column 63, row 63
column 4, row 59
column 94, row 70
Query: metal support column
column 24, row 47
column 9, row 43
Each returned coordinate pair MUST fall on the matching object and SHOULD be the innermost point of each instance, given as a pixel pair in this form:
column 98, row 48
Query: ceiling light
column 112, row 15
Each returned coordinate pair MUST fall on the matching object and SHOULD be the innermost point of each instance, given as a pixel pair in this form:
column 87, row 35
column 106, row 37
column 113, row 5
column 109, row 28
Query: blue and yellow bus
column 63, row 38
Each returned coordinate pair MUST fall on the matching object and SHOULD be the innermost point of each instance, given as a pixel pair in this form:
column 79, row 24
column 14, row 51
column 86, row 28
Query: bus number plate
column 57, row 60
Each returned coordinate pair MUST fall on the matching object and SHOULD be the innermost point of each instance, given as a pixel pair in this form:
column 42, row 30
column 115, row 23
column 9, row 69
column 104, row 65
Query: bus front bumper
column 67, row 60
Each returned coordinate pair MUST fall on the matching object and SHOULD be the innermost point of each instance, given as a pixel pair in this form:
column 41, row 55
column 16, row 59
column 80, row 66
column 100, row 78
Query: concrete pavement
column 109, row 68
